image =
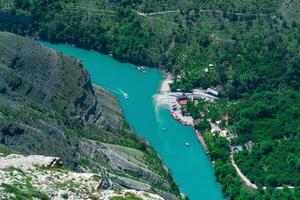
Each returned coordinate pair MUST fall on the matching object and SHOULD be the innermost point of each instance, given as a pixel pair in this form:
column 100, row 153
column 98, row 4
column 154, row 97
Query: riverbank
column 201, row 140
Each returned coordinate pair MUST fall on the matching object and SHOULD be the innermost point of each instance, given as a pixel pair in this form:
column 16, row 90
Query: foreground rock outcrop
column 41, row 177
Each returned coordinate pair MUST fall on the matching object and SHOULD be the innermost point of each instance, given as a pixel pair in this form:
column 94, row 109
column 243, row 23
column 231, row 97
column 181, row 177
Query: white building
column 212, row 91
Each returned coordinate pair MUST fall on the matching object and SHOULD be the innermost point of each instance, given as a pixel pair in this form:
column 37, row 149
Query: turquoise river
column 190, row 166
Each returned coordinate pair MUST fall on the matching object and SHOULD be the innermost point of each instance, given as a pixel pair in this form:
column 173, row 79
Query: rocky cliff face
column 45, row 97
column 48, row 106
column 43, row 75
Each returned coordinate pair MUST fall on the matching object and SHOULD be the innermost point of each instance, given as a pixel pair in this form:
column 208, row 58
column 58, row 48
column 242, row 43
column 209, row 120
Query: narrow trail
column 202, row 11
column 171, row 46
column 248, row 182
column 236, row 13
column 241, row 175
column 104, row 11
column 91, row 9
column 156, row 13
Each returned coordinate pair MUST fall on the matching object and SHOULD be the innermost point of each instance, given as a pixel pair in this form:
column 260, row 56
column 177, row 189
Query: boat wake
column 123, row 93
column 116, row 92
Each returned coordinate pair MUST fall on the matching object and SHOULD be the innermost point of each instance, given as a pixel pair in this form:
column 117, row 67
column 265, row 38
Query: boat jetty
column 177, row 101
column 176, row 112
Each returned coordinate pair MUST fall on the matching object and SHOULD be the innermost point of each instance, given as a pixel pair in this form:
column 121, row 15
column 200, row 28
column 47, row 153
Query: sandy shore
column 165, row 85
column 167, row 98
column 164, row 97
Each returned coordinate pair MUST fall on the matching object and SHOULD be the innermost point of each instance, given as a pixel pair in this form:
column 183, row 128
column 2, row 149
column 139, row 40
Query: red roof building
column 227, row 117
column 183, row 102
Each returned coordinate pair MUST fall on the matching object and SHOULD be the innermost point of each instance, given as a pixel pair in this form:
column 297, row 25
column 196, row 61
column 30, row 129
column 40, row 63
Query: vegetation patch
column 22, row 192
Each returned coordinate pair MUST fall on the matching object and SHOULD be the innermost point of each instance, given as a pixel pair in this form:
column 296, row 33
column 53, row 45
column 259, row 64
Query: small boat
column 163, row 129
column 126, row 96
column 110, row 54
column 187, row 144
column 141, row 69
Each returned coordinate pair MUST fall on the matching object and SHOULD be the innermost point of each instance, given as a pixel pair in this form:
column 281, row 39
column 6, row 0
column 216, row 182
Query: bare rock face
column 118, row 158
column 47, row 94
column 29, row 162
column 32, row 70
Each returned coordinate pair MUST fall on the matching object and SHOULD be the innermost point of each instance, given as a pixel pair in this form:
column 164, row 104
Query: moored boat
column 141, row 69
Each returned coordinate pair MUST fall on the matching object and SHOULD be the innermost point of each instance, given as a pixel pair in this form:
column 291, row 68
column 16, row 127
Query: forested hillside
column 249, row 50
